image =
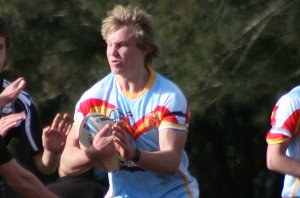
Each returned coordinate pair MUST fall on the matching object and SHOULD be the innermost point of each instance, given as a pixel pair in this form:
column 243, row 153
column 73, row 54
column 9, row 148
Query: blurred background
column 232, row 59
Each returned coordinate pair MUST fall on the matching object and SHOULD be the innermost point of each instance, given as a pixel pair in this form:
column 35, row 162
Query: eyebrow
column 125, row 39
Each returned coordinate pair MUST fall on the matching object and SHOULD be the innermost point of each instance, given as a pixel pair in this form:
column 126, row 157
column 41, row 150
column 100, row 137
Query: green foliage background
column 232, row 59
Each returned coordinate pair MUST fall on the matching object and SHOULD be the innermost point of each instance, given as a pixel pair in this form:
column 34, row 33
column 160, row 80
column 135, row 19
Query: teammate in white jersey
column 154, row 113
column 283, row 153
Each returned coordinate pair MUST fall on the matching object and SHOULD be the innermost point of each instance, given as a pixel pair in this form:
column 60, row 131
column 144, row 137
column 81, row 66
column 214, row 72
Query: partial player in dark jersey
column 42, row 146
column 21, row 180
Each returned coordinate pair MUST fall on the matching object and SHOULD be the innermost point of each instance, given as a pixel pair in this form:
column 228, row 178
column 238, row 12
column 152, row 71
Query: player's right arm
column 278, row 161
column 74, row 160
column 283, row 134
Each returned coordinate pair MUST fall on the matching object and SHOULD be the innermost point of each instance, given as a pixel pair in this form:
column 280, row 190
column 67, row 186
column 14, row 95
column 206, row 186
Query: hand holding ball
column 89, row 127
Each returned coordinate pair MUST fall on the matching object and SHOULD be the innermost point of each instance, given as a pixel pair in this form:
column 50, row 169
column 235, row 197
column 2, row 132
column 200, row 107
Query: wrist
column 50, row 156
column 52, row 153
column 90, row 154
column 137, row 155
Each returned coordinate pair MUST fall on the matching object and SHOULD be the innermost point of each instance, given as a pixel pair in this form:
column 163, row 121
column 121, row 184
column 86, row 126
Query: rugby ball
column 89, row 127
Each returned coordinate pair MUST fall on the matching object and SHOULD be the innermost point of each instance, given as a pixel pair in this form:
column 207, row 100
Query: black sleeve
column 5, row 156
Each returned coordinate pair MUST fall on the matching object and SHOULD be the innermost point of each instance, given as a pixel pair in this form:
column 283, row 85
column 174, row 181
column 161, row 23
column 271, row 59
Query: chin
column 116, row 70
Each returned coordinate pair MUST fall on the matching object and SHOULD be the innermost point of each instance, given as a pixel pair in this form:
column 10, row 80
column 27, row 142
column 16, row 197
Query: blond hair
column 121, row 16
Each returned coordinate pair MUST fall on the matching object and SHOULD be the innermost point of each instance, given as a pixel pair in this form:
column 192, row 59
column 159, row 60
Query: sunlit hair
column 121, row 16
column 4, row 31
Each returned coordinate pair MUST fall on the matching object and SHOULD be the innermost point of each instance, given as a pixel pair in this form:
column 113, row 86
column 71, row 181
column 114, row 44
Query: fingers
column 18, row 81
column 19, row 84
column 10, row 121
column 65, row 123
column 119, row 133
column 7, row 127
column 15, row 117
column 46, row 129
column 120, row 136
column 61, row 123
column 68, row 129
column 56, row 121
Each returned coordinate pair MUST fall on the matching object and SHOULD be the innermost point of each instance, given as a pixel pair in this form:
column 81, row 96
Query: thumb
column 46, row 129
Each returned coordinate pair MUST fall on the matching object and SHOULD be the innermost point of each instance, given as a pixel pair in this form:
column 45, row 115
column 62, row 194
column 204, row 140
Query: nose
column 112, row 50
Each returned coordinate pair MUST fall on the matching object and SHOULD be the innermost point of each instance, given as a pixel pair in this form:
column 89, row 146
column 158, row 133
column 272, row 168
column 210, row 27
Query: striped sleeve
column 285, row 120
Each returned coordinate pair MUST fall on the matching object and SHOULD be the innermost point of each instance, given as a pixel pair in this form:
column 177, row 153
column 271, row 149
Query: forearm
column 164, row 162
column 278, row 161
column 23, row 181
column 47, row 162
column 29, row 186
column 284, row 165
column 167, row 159
column 74, row 161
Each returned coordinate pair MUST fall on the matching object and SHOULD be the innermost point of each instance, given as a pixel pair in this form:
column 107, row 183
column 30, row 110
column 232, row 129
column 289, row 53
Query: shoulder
column 169, row 94
column 292, row 96
column 168, row 86
column 290, row 100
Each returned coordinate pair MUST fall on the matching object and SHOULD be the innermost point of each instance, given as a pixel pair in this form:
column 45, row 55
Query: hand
column 103, row 145
column 12, row 91
column 10, row 121
column 122, row 144
column 54, row 136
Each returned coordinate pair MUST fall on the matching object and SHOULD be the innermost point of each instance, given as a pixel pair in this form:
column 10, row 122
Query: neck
column 135, row 84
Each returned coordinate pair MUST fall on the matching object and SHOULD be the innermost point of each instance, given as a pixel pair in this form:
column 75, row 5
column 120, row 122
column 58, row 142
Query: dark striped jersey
column 29, row 131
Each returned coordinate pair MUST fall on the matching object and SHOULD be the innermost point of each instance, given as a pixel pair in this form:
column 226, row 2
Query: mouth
column 115, row 62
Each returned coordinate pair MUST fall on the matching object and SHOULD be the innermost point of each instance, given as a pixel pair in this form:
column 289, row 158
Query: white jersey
column 285, row 121
column 161, row 105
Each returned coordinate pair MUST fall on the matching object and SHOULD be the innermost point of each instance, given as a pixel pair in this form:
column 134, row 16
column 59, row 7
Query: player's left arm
column 167, row 159
column 172, row 135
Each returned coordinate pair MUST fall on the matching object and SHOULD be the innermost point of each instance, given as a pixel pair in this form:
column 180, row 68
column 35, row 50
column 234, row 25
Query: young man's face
column 123, row 54
column 2, row 52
